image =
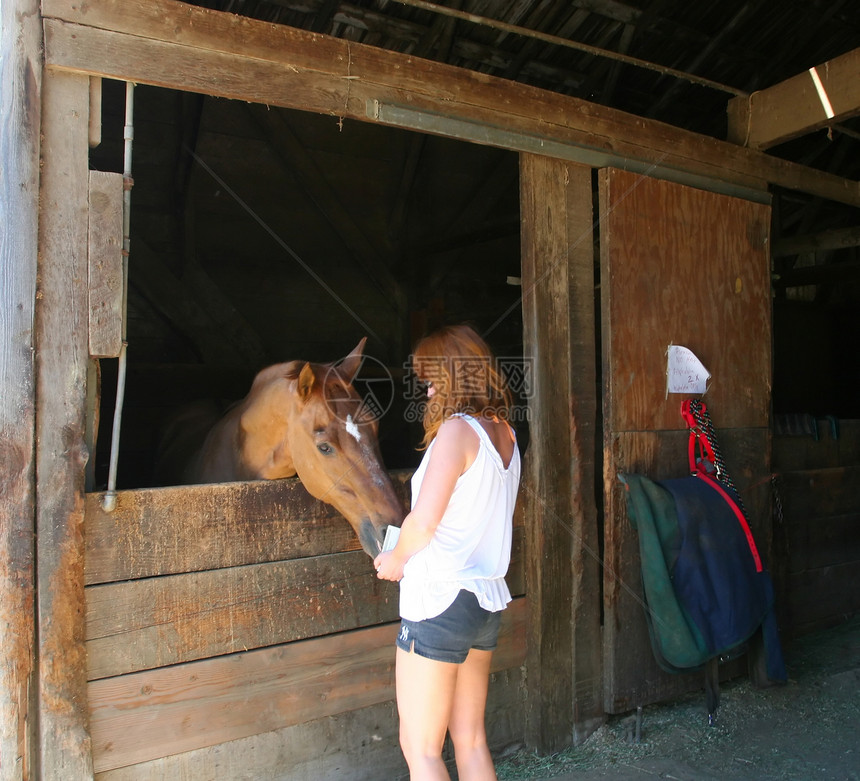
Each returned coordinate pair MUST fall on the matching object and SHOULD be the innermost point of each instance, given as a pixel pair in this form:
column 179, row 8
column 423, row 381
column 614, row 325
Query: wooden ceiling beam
column 817, row 98
column 842, row 238
column 194, row 49
column 825, row 274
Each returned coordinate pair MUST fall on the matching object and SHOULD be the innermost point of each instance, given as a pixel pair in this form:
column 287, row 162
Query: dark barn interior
column 261, row 235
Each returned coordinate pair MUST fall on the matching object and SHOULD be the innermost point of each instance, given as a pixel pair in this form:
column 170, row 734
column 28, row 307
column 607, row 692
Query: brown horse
column 306, row 419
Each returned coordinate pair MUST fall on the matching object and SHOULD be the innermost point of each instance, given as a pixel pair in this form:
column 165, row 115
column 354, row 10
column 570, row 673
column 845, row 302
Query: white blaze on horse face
column 352, row 429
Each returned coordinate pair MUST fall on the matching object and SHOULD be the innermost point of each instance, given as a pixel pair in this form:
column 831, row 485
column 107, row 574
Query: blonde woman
column 452, row 555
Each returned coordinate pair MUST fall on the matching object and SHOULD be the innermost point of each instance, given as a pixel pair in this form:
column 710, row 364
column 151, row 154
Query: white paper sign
column 685, row 372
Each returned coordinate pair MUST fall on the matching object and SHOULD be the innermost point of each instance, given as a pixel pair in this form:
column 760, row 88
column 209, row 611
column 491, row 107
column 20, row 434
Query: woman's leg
column 425, row 694
column 467, row 720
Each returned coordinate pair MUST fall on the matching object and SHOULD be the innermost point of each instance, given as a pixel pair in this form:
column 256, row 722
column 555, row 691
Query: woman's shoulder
column 456, row 426
column 457, row 433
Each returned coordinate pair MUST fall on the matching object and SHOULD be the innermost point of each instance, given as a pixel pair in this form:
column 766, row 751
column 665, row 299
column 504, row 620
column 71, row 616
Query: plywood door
column 678, row 266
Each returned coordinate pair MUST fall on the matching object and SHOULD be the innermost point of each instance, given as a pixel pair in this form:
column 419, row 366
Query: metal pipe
column 555, row 40
column 109, row 502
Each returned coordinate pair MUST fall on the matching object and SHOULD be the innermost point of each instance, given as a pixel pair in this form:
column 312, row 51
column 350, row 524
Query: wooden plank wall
column 222, row 613
column 686, row 267
column 817, row 533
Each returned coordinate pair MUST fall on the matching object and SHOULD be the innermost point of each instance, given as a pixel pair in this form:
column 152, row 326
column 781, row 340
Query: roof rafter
column 817, row 98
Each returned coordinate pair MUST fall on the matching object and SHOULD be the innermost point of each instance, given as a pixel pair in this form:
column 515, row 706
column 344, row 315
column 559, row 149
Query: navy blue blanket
column 706, row 590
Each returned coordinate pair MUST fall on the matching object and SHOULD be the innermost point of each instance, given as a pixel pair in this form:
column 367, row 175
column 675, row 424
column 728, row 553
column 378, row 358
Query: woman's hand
column 388, row 566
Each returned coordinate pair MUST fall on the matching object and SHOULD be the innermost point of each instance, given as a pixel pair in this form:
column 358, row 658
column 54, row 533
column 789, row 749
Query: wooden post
column 20, row 87
column 61, row 370
column 562, row 561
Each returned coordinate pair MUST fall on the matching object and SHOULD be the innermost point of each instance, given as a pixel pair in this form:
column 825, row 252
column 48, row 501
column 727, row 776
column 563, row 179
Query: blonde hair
column 464, row 374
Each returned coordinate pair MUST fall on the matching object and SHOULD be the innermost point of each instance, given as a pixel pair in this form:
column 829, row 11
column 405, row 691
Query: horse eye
column 325, row 448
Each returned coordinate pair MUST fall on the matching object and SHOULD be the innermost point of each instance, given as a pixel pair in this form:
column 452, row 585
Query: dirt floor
column 807, row 729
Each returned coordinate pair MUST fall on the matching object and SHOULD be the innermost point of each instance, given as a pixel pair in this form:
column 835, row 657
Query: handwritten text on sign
column 685, row 372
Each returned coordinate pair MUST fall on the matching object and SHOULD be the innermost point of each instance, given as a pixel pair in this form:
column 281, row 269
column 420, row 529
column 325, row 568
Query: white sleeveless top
column 471, row 548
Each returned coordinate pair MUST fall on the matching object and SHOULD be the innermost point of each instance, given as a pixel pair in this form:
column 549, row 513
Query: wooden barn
column 190, row 192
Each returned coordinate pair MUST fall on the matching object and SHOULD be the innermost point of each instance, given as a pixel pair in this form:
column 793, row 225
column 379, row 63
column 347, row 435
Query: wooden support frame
column 820, row 97
column 20, row 96
column 61, row 368
column 174, row 45
column 562, row 562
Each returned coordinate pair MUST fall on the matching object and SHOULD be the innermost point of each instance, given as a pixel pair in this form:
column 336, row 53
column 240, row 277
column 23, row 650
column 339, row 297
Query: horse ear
column 349, row 366
column 306, row 382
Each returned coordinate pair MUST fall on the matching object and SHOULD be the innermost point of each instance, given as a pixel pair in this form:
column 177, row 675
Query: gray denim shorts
column 452, row 634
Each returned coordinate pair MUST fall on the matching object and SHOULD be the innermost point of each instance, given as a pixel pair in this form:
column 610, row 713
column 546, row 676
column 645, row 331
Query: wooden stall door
column 686, row 267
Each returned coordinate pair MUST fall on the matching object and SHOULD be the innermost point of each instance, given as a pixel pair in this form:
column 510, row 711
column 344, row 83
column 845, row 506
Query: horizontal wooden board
column 195, row 49
column 819, row 493
column 143, row 716
column 837, row 443
column 823, row 542
column 163, row 531
column 351, row 746
column 153, row 622
column 823, row 597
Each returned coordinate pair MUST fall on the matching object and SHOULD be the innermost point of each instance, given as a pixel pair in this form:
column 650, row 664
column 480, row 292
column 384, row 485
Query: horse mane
column 327, row 376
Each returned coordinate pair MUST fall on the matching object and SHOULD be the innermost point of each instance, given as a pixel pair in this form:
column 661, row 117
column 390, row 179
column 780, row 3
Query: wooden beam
column 564, row 696
column 842, row 238
column 61, row 364
column 195, row 49
column 20, row 107
column 820, row 97
column 157, row 622
column 826, row 273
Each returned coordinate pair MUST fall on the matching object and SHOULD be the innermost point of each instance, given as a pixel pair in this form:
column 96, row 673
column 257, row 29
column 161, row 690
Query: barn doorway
column 261, row 235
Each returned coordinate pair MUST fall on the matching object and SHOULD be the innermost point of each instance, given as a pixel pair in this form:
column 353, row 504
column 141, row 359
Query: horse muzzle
column 370, row 537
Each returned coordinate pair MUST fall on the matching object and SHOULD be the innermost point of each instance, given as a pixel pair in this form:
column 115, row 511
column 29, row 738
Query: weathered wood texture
column 352, row 746
column 562, row 568
column 360, row 745
column 154, row 714
column 194, row 49
column 105, row 277
column 165, row 531
column 220, row 612
column 795, row 106
column 817, row 533
column 61, row 364
column 245, row 599
column 691, row 268
column 20, row 112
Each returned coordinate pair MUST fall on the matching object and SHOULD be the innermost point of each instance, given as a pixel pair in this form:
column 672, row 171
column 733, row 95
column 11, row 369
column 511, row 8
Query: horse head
column 307, row 419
